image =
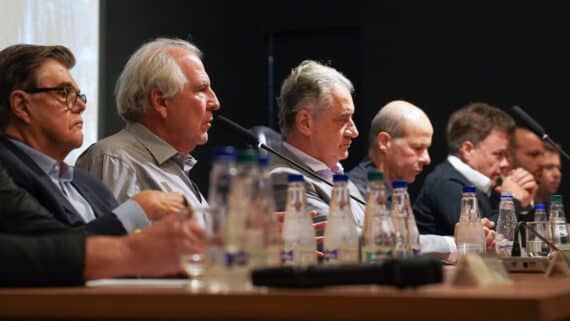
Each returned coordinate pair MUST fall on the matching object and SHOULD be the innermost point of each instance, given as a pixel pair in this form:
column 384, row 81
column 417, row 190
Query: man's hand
column 489, row 234
column 521, row 184
column 157, row 204
column 155, row 251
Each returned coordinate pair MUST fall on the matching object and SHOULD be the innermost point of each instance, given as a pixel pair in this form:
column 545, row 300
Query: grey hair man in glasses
column 41, row 122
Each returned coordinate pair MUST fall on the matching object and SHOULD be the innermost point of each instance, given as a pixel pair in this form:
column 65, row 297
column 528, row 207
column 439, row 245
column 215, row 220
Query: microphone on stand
column 252, row 139
column 539, row 130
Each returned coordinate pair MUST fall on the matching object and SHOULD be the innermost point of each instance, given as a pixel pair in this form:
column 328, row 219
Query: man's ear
column 304, row 122
column 20, row 105
column 383, row 141
column 466, row 151
column 158, row 102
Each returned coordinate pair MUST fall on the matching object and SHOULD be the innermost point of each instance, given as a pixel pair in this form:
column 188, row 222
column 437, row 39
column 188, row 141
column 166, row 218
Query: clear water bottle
column 299, row 244
column 221, row 178
column 506, row 226
column 557, row 221
column 378, row 238
column 470, row 231
column 540, row 212
column 341, row 235
column 399, row 212
column 242, row 241
column 264, row 206
column 413, row 232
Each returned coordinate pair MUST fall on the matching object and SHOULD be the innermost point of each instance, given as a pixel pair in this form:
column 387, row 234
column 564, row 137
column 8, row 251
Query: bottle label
column 287, row 256
column 236, row 259
column 331, row 255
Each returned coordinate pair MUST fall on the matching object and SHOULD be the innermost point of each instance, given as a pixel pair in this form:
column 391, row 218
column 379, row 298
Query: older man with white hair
column 165, row 97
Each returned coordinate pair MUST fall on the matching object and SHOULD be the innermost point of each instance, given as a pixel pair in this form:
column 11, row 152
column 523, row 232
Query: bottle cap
column 469, row 189
column 225, row 152
column 556, row 198
column 539, row 206
column 262, row 160
column 506, row 195
column 295, row 178
column 375, row 175
column 340, row 178
column 248, row 156
column 399, row 183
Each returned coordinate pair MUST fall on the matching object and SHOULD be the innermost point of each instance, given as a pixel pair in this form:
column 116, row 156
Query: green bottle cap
column 375, row 175
column 248, row 156
column 555, row 198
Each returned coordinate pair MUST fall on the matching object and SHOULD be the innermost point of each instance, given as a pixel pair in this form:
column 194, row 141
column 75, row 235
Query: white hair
column 150, row 67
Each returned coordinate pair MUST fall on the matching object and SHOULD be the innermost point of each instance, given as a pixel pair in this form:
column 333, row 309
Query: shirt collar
column 313, row 163
column 160, row 150
column 481, row 182
column 61, row 172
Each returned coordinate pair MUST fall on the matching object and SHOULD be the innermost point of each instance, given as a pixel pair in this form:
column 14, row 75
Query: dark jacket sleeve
column 48, row 260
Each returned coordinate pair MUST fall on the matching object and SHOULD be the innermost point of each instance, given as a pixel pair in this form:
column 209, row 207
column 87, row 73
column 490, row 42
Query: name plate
column 481, row 271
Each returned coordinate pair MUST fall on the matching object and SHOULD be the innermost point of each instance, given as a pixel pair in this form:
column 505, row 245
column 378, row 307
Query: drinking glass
column 194, row 262
column 534, row 245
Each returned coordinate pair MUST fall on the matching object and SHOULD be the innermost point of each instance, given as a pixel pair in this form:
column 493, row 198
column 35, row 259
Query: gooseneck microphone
column 539, row 130
column 252, row 139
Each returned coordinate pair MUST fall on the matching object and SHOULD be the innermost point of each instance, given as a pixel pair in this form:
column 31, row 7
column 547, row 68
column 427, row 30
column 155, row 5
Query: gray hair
column 308, row 85
column 150, row 67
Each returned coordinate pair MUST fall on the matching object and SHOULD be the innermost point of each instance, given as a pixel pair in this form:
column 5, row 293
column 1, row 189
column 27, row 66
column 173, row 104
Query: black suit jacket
column 438, row 203
column 36, row 249
column 30, row 177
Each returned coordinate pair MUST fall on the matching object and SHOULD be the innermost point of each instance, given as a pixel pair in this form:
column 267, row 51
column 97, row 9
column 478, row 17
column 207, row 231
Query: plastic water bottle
column 378, row 239
column 557, row 221
column 399, row 212
column 470, row 231
column 413, row 232
column 341, row 235
column 264, row 207
column 242, row 241
column 299, row 244
column 540, row 212
column 221, row 178
column 506, row 225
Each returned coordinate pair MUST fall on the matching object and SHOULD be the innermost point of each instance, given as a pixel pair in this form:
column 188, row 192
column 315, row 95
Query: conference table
column 529, row 297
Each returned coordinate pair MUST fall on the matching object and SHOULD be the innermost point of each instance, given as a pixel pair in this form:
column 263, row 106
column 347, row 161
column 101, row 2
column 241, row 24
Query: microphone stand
column 252, row 139
column 535, row 126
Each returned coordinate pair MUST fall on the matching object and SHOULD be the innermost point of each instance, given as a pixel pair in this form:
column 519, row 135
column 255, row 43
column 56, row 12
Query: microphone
column 539, row 130
column 251, row 138
column 398, row 272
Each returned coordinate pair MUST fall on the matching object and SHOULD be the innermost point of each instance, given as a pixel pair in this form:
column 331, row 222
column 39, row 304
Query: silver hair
column 390, row 120
column 308, row 86
column 150, row 67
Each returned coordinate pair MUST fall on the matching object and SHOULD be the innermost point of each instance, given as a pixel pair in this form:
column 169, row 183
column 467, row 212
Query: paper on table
column 168, row 283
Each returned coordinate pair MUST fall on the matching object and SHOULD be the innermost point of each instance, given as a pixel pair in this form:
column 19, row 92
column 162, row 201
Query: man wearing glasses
column 41, row 123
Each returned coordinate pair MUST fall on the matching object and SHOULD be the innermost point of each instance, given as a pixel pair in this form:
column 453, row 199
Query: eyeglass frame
column 66, row 89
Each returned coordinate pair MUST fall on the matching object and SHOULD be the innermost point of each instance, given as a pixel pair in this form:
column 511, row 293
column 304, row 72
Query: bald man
column 400, row 135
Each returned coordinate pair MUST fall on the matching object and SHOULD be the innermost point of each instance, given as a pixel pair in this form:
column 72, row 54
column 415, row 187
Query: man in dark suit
column 41, row 123
column 37, row 250
column 478, row 139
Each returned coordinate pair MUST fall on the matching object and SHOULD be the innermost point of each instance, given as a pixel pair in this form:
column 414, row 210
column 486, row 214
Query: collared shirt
column 480, row 181
column 328, row 173
column 62, row 176
column 130, row 213
column 136, row 159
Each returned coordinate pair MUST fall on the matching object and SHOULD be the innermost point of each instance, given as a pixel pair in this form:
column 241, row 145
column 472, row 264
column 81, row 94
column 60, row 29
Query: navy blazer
column 438, row 203
column 30, row 177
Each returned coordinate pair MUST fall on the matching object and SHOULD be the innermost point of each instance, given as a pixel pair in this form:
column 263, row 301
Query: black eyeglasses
column 71, row 95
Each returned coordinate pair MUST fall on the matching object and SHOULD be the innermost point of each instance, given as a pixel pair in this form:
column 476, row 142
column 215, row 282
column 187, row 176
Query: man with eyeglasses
column 41, row 123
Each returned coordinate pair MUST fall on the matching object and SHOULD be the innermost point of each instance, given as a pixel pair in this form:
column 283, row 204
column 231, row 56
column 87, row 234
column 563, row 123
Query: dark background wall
column 439, row 55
